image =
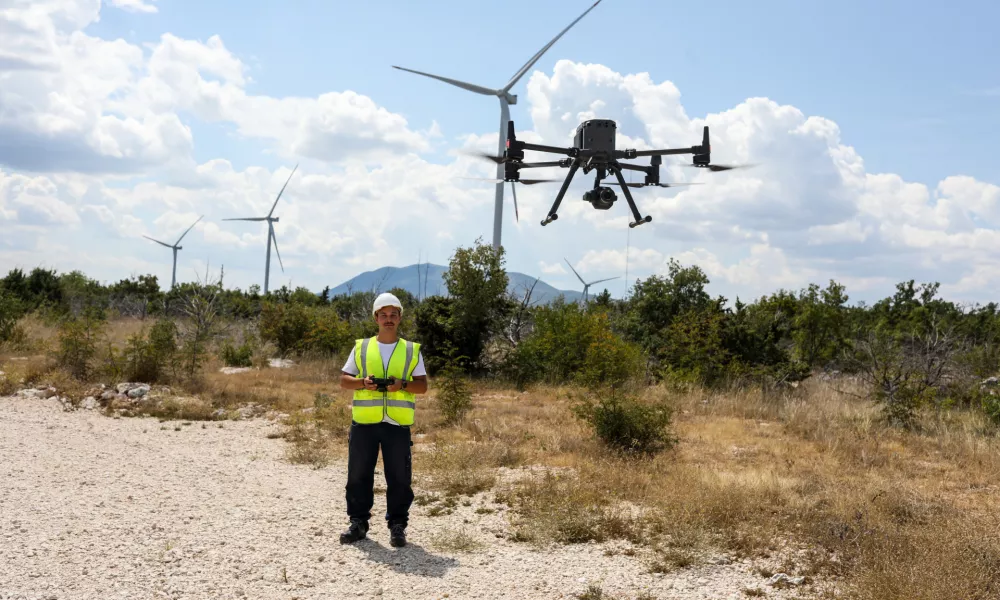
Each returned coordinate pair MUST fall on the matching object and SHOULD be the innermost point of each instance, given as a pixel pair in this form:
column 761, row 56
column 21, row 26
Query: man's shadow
column 411, row 559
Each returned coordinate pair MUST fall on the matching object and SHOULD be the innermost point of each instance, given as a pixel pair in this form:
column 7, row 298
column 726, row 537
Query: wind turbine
column 270, row 232
column 175, row 248
column 506, row 99
column 586, row 286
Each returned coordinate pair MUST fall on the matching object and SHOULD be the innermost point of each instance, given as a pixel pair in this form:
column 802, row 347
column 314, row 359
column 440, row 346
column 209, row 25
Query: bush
column 571, row 344
column 148, row 359
column 626, row 425
column 295, row 328
column 991, row 407
column 78, row 343
column 455, row 397
column 328, row 333
column 10, row 312
column 236, row 356
column 284, row 324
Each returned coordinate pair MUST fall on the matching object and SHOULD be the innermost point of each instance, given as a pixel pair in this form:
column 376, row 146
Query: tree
column 657, row 301
column 477, row 283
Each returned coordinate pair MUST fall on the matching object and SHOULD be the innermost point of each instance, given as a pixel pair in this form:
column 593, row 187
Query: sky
column 870, row 124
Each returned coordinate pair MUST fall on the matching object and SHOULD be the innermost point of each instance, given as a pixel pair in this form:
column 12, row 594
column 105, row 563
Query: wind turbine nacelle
column 596, row 135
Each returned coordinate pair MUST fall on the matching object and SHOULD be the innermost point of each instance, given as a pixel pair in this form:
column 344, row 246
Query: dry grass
column 811, row 475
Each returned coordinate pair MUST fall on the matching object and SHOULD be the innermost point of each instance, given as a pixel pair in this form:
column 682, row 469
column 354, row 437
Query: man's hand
column 369, row 384
column 395, row 387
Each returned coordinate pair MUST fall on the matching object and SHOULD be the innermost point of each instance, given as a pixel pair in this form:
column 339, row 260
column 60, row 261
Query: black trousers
column 363, row 446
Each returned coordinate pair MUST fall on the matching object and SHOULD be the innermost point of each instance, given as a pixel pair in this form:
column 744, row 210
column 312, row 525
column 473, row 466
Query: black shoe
column 397, row 536
column 358, row 530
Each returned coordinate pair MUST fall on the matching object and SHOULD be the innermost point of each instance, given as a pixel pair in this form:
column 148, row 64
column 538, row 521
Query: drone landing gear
column 639, row 220
column 552, row 216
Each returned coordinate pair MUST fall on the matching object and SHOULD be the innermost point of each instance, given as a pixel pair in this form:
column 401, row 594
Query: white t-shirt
column 385, row 351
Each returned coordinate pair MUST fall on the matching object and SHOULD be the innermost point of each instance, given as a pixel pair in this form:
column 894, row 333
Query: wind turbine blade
column 282, row 190
column 513, row 190
column 465, row 86
column 157, row 241
column 274, row 238
column 575, row 273
column 188, row 229
column 248, row 219
column 531, row 62
column 603, row 280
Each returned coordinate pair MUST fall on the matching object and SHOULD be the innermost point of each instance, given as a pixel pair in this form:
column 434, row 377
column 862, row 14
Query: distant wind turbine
column 175, row 248
column 586, row 286
column 506, row 99
column 270, row 232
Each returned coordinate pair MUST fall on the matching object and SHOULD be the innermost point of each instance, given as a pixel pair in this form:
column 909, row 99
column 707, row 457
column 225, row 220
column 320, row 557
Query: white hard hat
column 386, row 299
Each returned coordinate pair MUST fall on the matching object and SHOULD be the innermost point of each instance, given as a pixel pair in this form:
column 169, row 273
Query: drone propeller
column 717, row 168
column 479, row 154
column 664, row 185
column 524, row 181
column 513, row 190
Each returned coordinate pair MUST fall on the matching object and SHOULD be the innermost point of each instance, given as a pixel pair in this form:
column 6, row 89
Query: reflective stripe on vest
column 370, row 406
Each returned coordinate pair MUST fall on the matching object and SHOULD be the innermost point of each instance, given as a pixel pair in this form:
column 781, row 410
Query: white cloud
column 70, row 101
column 551, row 269
column 133, row 6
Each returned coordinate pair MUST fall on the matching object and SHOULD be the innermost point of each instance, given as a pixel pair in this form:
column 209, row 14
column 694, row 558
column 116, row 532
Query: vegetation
column 672, row 421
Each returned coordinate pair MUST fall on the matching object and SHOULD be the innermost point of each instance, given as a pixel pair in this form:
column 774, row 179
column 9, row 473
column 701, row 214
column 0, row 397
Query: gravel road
column 95, row 507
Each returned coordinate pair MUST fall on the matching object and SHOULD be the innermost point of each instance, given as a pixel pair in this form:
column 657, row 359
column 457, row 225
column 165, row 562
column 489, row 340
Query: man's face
column 387, row 317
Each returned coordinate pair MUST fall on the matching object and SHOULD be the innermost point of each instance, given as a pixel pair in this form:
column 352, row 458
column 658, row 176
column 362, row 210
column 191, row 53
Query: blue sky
column 876, row 136
column 913, row 85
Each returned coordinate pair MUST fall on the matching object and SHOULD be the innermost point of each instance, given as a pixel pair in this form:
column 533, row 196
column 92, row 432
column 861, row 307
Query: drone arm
column 644, row 169
column 552, row 149
column 562, row 192
column 538, row 165
column 628, row 196
column 637, row 153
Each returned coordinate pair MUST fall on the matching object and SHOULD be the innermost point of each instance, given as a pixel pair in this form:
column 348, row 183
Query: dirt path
column 94, row 507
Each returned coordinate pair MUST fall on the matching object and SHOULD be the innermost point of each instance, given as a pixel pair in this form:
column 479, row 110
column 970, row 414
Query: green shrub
column 990, row 404
column 327, row 333
column 295, row 328
column 627, row 425
column 236, row 356
column 454, row 395
column 10, row 311
column 286, row 325
column 570, row 344
column 78, row 338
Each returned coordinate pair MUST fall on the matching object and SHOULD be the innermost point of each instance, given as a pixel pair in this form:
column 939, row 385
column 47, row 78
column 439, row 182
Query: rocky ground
column 99, row 507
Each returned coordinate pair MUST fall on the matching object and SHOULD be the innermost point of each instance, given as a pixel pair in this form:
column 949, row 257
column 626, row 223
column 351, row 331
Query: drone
column 594, row 150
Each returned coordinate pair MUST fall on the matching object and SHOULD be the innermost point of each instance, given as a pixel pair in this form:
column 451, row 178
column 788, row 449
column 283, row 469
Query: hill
column 411, row 280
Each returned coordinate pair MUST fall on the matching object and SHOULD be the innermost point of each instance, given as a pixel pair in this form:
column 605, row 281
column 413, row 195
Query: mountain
column 410, row 279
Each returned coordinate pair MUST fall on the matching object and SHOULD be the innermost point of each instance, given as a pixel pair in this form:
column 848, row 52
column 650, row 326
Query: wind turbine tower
column 271, row 220
column 175, row 248
column 506, row 99
column 586, row 286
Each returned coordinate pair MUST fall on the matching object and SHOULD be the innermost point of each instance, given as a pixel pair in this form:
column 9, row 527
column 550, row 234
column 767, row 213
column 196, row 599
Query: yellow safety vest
column 370, row 406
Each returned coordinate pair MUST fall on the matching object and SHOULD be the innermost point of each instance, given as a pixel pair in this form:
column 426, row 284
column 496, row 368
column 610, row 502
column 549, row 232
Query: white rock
column 280, row 363
column 234, row 370
column 138, row 391
column 784, row 578
column 89, row 403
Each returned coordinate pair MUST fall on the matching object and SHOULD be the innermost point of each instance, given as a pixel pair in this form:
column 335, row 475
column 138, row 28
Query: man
column 382, row 419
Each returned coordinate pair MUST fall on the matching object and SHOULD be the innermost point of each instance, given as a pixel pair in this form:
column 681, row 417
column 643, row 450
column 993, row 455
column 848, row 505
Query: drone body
column 594, row 150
